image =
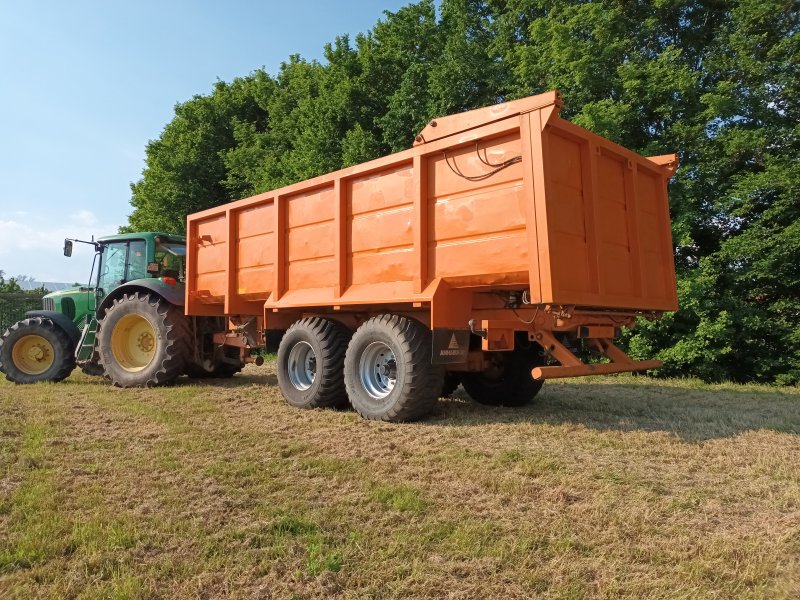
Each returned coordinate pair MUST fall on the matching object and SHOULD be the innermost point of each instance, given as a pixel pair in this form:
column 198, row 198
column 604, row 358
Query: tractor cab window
column 137, row 260
column 171, row 259
column 112, row 266
column 121, row 262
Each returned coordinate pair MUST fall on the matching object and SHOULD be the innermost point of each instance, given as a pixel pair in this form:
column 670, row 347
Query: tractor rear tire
column 143, row 341
column 36, row 349
column 311, row 363
column 509, row 383
column 388, row 370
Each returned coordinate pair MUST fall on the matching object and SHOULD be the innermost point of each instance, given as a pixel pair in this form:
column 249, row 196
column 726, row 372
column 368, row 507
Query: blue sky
column 84, row 86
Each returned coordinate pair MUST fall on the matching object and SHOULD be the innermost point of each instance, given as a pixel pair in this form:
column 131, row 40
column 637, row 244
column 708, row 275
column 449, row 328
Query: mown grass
column 608, row 487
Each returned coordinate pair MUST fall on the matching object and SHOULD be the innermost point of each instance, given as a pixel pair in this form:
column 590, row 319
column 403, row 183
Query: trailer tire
column 220, row 370
column 450, row 385
column 36, row 349
column 388, row 370
column 311, row 363
column 143, row 341
column 510, row 383
column 226, row 370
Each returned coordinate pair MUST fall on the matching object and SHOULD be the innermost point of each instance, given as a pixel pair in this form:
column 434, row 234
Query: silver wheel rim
column 302, row 366
column 378, row 370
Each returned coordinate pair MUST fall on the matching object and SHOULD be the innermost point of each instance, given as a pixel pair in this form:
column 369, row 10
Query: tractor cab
column 119, row 259
column 128, row 257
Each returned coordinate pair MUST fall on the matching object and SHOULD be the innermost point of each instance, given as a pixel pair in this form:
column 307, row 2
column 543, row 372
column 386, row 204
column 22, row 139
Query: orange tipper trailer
column 486, row 255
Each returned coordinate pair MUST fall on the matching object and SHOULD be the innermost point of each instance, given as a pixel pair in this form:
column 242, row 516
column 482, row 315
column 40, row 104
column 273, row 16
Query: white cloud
column 31, row 247
column 84, row 217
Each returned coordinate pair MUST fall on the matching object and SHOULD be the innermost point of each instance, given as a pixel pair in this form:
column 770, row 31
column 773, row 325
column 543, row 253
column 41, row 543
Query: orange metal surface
column 572, row 217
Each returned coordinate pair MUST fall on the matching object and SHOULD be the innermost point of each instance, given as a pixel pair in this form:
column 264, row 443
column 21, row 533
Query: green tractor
column 128, row 325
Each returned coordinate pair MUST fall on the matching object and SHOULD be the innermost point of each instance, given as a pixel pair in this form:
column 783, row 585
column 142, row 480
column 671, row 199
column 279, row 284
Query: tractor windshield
column 121, row 262
column 171, row 259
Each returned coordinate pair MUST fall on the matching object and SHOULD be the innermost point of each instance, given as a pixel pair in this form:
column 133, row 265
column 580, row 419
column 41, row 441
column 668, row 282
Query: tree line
column 12, row 285
column 717, row 81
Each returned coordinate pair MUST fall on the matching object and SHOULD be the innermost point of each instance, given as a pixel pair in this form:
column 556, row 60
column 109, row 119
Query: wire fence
column 13, row 307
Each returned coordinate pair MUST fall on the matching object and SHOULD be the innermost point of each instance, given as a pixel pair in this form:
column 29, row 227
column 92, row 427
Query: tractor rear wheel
column 143, row 341
column 36, row 349
column 388, row 370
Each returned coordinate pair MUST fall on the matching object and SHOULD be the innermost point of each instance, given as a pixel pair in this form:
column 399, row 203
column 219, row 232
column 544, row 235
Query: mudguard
column 174, row 294
column 60, row 319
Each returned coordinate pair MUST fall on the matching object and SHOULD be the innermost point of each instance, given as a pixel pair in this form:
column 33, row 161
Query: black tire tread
column 62, row 339
column 92, row 367
column 221, row 370
column 177, row 332
column 450, row 385
column 332, row 337
column 516, row 388
column 424, row 380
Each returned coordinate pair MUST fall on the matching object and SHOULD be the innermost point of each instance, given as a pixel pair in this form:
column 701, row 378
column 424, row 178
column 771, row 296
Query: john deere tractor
column 128, row 325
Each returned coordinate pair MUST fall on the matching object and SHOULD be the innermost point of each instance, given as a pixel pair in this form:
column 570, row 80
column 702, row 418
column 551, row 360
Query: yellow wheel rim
column 32, row 354
column 133, row 342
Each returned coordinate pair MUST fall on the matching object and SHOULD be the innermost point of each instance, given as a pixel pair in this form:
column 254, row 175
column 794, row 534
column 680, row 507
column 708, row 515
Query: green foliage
column 718, row 82
column 739, row 206
column 185, row 167
column 15, row 302
column 9, row 286
column 12, row 286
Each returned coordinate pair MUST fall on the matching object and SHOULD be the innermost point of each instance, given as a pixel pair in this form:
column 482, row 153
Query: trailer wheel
column 508, row 382
column 451, row 383
column 143, row 341
column 220, row 369
column 36, row 349
column 388, row 370
column 311, row 363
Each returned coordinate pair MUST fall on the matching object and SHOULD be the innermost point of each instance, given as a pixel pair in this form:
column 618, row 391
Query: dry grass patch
column 610, row 487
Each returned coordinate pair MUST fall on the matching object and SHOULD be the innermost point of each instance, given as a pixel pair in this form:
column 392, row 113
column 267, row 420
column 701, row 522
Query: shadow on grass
column 692, row 414
column 690, row 411
column 238, row 380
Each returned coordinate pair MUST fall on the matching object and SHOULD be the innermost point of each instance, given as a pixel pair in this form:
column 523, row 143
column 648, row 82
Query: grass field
column 611, row 487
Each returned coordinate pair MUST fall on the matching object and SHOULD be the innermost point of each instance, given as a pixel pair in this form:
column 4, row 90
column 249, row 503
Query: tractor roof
column 121, row 237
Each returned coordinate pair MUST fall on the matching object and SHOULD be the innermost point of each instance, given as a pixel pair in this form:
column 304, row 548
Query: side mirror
column 67, row 247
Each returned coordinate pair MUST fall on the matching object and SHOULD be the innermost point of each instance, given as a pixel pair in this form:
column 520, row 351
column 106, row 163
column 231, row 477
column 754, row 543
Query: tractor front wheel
column 34, row 350
column 143, row 341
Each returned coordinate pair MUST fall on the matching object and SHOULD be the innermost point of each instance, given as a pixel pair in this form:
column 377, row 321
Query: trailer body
column 499, row 220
